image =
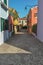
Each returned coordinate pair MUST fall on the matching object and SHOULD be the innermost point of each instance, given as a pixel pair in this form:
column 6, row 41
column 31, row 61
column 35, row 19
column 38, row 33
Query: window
column 5, row 1
column 2, row 24
column 35, row 14
column 6, row 25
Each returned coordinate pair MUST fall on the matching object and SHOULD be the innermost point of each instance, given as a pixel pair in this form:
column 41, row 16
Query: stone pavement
column 21, row 49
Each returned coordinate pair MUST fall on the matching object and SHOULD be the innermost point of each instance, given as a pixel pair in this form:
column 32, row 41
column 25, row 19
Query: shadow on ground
column 24, row 41
column 22, row 49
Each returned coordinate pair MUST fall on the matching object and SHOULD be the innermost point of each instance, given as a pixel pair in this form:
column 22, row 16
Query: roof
column 22, row 18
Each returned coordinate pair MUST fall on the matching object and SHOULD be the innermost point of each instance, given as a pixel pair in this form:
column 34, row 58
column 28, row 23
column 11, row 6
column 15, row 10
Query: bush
column 34, row 28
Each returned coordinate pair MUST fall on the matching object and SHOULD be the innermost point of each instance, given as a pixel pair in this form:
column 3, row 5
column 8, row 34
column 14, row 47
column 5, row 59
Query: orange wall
column 10, row 19
column 31, row 20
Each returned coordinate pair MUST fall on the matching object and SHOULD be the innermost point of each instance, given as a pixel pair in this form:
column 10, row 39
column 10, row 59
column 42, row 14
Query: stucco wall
column 34, row 12
column 4, row 35
column 3, row 13
column 23, row 22
column 0, row 18
column 40, row 21
column 0, row 9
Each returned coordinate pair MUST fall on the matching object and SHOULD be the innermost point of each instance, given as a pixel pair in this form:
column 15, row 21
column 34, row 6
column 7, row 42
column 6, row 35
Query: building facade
column 3, row 21
column 23, row 21
column 40, row 21
column 32, row 18
column 11, row 25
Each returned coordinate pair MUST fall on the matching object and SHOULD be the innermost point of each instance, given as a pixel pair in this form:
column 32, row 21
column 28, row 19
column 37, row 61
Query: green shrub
column 34, row 28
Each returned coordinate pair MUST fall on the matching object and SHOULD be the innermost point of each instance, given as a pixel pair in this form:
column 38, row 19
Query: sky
column 19, row 6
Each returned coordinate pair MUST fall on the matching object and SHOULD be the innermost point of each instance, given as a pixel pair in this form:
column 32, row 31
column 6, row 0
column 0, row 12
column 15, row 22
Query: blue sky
column 19, row 5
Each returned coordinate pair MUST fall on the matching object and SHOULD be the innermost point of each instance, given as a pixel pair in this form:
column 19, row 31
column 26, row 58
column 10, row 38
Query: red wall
column 10, row 18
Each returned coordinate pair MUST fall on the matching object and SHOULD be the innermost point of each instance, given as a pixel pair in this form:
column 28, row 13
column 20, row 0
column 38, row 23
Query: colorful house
column 32, row 18
column 3, row 21
column 11, row 25
column 23, row 21
column 13, row 20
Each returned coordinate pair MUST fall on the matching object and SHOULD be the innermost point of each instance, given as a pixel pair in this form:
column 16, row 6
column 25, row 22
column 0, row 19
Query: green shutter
column 6, row 25
column 5, row 1
column 2, row 24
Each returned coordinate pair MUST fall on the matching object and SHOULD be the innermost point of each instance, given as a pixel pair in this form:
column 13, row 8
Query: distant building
column 3, row 21
column 23, row 21
column 32, row 18
column 13, row 23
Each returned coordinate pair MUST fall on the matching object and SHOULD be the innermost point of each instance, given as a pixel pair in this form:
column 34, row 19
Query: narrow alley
column 18, row 21
column 21, row 49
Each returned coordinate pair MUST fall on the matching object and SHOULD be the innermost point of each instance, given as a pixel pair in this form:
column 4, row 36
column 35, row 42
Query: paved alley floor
column 21, row 49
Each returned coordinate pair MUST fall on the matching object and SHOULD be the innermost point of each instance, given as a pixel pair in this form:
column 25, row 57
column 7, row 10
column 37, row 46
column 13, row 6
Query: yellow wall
column 16, row 22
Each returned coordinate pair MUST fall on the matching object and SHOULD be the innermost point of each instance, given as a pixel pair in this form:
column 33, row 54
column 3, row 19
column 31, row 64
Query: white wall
column 7, row 7
column 3, row 13
column 24, row 22
column 1, row 38
column 0, row 9
column 40, row 21
column 2, row 0
column 4, row 35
